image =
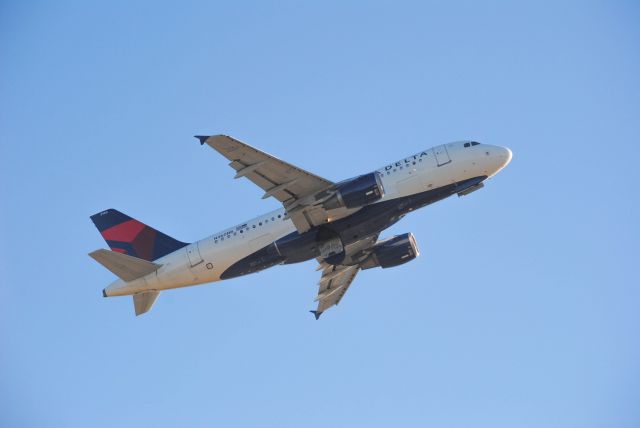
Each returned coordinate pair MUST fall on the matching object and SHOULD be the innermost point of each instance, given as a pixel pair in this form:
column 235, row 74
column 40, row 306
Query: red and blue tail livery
column 131, row 237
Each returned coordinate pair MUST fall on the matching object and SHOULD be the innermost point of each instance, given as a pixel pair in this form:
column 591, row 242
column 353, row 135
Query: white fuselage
column 205, row 260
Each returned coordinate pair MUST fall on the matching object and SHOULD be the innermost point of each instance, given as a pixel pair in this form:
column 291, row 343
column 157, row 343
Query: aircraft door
column 442, row 155
column 194, row 254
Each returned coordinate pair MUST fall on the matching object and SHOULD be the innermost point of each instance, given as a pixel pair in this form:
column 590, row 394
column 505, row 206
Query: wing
column 333, row 285
column 336, row 279
column 287, row 183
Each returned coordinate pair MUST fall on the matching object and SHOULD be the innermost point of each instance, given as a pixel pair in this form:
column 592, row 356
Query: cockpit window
column 474, row 143
column 467, row 144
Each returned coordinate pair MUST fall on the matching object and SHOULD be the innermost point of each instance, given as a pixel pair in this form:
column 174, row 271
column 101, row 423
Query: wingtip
column 202, row 138
column 316, row 314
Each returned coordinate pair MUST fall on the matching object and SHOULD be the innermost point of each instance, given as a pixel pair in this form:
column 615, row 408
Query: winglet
column 202, row 138
column 316, row 314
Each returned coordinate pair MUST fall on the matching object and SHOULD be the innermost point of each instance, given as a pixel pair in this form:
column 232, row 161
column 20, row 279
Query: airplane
column 338, row 224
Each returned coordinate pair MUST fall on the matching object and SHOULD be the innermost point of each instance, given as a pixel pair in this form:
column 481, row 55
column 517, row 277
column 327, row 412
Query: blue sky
column 522, row 310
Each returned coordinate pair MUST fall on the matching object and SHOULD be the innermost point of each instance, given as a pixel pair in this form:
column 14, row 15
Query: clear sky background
column 522, row 310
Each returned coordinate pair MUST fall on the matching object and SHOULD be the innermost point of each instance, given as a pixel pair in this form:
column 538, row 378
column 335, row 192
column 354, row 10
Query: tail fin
column 129, row 236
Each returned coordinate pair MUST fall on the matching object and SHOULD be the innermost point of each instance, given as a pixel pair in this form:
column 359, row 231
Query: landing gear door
column 441, row 154
column 194, row 254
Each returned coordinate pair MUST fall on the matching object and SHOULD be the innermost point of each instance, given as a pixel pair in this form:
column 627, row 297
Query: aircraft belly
column 368, row 221
column 255, row 251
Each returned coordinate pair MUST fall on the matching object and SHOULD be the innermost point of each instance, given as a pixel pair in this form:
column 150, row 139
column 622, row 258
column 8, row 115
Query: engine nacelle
column 392, row 252
column 356, row 192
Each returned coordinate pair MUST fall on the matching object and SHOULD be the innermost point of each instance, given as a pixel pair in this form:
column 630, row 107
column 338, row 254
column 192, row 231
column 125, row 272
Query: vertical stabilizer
column 131, row 237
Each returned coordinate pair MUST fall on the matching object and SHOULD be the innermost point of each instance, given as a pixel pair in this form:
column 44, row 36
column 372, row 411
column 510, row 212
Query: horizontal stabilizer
column 143, row 302
column 123, row 266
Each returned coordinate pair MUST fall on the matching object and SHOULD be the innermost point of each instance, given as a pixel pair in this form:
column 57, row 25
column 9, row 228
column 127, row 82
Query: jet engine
column 392, row 252
column 356, row 192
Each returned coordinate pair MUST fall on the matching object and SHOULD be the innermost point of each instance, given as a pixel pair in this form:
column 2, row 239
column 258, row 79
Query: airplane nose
column 506, row 155
column 500, row 156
